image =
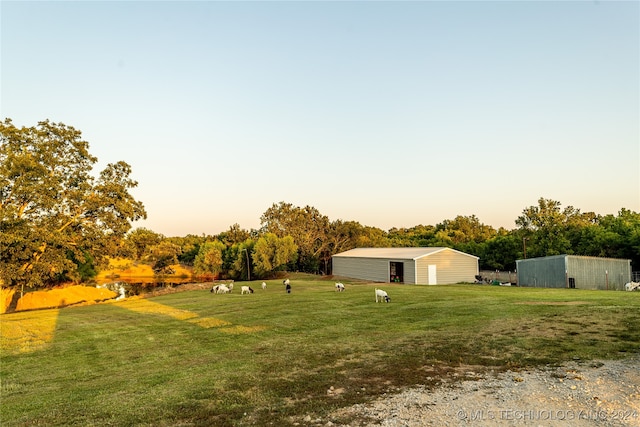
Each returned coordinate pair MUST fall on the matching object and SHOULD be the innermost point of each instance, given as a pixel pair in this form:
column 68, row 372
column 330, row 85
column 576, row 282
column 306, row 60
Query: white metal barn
column 425, row 266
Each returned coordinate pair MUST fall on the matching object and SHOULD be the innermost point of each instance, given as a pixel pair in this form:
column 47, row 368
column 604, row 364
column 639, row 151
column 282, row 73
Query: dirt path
column 595, row 393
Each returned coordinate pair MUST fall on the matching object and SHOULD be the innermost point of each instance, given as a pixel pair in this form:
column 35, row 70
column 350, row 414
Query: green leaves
column 209, row 258
column 272, row 252
column 52, row 209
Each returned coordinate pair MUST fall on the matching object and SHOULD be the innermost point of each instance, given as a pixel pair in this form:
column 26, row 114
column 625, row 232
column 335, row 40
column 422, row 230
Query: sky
column 391, row 114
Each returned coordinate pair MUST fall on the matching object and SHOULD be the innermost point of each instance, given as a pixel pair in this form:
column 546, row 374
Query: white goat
column 285, row 282
column 264, row 286
column 632, row 286
column 223, row 289
column 246, row 290
column 382, row 295
column 230, row 286
column 339, row 287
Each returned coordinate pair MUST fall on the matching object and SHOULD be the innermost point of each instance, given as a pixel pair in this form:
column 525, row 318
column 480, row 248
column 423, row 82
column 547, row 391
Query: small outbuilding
column 573, row 271
column 425, row 266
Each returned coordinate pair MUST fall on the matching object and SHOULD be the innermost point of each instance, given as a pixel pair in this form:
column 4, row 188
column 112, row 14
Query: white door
column 433, row 280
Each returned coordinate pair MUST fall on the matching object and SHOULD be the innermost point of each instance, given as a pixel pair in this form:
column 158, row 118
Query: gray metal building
column 426, row 266
column 573, row 271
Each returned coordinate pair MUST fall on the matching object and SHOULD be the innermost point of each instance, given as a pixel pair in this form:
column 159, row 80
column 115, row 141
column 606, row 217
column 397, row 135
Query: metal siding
column 599, row 273
column 451, row 267
column 588, row 272
column 410, row 272
column 422, row 269
column 375, row 270
column 547, row 272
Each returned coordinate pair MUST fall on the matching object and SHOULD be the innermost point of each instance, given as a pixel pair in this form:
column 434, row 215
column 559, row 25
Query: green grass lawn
column 195, row 358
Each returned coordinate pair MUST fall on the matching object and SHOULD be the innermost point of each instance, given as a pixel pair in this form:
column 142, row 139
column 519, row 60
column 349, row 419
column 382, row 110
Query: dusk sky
column 392, row 114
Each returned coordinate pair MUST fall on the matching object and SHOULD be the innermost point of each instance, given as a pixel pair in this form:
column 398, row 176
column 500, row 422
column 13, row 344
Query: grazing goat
column 382, row 295
column 632, row 286
column 285, row 282
column 288, row 288
column 223, row 289
column 339, row 287
column 264, row 286
column 246, row 290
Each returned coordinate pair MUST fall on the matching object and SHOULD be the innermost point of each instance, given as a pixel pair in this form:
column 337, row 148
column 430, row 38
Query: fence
column 500, row 276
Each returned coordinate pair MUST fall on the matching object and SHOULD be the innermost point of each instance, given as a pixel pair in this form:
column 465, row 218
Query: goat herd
column 632, row 286
column 222, row 288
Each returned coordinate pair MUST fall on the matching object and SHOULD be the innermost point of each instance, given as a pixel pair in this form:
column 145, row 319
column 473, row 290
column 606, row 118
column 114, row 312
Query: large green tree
column 53, row 209
column 545, row 228
column 621, row 236
column 464, row 229
column 164, row 255
column 141, row 239
column 234, row 235
column 209, row 259
column 307, row 226
column 272, row 252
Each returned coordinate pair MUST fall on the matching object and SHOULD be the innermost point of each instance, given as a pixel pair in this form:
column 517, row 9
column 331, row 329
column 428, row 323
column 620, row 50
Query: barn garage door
column 396, row 272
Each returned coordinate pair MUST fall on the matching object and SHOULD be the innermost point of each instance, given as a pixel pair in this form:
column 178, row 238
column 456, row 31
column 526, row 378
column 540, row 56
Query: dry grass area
column 72, row 295
column 6, row 295
column 149, row 307
column 30, row 331
column 54, row 298
column 127, row 268
column 554, row 302
column 63, row 297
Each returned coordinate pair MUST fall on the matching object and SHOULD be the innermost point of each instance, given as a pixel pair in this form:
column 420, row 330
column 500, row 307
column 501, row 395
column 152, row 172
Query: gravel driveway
column 593, row 393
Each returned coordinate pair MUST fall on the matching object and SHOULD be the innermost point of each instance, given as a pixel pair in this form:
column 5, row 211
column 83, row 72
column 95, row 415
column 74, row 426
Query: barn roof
column 396, row 253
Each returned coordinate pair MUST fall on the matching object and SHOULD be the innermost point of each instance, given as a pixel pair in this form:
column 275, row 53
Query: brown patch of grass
column 553, row 302
column 209, row 322
column 149, row 307
column 239, row 329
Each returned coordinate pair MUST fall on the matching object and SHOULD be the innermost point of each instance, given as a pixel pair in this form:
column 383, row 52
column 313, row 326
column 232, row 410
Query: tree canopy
column 272, row 252
column 54, row 214
column 544, row 229
column 59, row 221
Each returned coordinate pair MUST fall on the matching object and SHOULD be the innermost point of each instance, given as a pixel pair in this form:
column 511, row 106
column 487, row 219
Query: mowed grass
column 195, row 358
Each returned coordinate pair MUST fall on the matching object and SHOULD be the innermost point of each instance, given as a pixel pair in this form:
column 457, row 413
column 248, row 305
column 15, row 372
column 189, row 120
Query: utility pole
column 248, row 266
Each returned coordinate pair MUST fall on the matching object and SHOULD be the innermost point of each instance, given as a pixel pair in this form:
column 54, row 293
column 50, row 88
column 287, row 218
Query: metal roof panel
column 397, row 253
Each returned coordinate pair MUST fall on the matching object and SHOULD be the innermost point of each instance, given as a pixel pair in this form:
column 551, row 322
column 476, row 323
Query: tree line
column 59, row 223
column 296, row 238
